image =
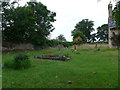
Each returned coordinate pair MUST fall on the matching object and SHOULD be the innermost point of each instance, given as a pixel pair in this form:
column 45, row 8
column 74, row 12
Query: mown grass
column 86, row 69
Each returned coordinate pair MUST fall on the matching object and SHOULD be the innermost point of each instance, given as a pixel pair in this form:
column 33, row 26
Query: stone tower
column 111, row 26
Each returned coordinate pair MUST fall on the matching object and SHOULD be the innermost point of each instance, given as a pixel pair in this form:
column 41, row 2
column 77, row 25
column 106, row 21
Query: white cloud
column 70, row 12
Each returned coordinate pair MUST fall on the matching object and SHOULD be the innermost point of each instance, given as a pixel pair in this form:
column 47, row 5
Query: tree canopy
column 83, row 29
column 93, row 37
column 61, row 38
column 30, row 23
column 116, row 14
column 79, row 36
column 86, row 27
column 102, row 32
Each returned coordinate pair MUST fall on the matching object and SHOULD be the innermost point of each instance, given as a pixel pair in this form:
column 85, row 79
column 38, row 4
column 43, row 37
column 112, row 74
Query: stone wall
column 23, row 46
column 116, row 32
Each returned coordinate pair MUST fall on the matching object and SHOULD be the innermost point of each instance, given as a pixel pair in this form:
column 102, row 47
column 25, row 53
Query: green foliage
column 93, row 37
column 67, row 44
column 86, row 27
column 116, row 14
column 8, row 64
column 102, row 32
column 54, row 43
column 21, row 62
column 30, row 23
column 51, row 43
column 61, row 38
column 77, row 33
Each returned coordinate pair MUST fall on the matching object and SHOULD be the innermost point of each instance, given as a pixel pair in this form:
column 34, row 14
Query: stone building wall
column 116, row 32
column 111, row 26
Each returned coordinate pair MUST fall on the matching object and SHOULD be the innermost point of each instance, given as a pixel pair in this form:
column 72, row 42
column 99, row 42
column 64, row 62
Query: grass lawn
column 89, row 69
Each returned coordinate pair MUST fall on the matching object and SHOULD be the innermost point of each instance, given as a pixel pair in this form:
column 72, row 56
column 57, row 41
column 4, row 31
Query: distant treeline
column 53, row 43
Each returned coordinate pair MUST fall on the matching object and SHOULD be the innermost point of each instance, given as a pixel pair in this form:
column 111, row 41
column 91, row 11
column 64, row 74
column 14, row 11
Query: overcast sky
column 70, row 12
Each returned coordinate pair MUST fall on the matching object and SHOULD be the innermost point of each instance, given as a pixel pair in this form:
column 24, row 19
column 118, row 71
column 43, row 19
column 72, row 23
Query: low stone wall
column 25, row 46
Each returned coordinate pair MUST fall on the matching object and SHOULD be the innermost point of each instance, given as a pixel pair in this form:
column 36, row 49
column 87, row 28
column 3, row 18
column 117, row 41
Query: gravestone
column 60, row 46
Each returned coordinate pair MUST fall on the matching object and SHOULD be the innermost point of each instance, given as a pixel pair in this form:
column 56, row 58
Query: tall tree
column 116, row 14
column 61, row 38
column 102, row 32
column 93, row 37
column 43, row 19
column 30, row 23
column 86, row 27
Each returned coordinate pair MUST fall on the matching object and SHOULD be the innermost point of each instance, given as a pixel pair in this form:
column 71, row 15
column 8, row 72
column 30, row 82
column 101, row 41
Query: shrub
column 8, row 64
column 51, row 43
column 21, row 62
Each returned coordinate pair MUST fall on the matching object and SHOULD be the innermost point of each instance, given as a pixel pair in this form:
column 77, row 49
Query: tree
column 61, row 38
column 116, row 14
column 30, row 23
column 43, row 20
column 17, row 24
column 102, row 32
column 93, row 37
column 78, row 40
column 86, row 27
column 78, row 35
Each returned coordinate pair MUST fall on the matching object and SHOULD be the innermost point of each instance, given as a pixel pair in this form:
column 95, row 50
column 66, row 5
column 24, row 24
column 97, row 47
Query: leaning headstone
column 60, row 50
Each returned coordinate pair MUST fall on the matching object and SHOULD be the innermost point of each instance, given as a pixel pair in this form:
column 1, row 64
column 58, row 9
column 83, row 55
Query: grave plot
column 53, row 57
